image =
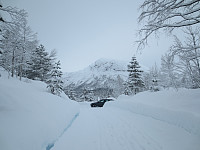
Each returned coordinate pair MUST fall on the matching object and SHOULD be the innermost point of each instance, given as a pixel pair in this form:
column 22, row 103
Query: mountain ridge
column 107, row 74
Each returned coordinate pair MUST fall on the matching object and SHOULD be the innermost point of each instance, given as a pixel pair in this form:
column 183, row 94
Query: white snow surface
column 180, row 108
column 166, row 120
column 30, row 117
column 33, row 119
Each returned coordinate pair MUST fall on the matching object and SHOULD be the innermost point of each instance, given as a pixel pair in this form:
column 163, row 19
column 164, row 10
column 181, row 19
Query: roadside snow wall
column 180, row 108
column 30, row 117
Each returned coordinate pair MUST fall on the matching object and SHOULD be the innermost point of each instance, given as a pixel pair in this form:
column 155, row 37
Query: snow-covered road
column 111, row 128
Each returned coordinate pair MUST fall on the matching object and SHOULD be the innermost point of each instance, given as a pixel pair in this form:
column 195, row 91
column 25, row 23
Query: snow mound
column 31, row 118
column 180, row 108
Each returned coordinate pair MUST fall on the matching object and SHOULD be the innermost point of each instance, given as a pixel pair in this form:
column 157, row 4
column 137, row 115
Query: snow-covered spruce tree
column 55, row 83
column 127, row 90
column 135, row 82
column 40, row 64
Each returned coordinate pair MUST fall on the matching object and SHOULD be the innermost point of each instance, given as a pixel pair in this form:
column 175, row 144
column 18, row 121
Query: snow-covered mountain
column 103, row 74
column 97, row 73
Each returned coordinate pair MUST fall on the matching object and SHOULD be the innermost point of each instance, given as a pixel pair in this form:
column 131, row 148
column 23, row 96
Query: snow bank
column 30, row 117
column 180, row 108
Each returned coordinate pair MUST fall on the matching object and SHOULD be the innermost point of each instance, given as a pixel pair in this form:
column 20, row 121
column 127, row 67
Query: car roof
column 105, row 99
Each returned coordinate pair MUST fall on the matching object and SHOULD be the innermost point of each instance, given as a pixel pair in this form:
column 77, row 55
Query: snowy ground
column 30, row 117
column 113, row 128
column 33, row 119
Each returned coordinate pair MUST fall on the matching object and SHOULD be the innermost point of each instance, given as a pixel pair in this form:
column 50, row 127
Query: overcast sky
column 83, row 31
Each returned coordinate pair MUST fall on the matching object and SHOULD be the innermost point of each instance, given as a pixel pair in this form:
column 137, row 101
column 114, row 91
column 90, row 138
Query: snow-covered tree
column 71, row 94
column 40, row 64
column 87, row 95
column 167, row 15
column 169, row 71
column 7, row 15
column 127, row 90
column 55, row 83
column 188, row 54
column 28, row 44
column 17, row 42
column 135, row 82
column 10, row 49
column 155, row 81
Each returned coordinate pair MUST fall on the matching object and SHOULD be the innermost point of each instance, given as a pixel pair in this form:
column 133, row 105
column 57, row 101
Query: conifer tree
column 40, row 64
column 127, row 90
column 135, row 82
column 55, row 83
column 87, row 95
column 71, row 94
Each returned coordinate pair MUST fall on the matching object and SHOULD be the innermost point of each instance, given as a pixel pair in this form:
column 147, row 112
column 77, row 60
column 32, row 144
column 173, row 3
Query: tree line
column 21, row 55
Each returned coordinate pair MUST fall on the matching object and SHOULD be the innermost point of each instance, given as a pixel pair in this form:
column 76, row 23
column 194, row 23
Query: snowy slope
column 30, row 117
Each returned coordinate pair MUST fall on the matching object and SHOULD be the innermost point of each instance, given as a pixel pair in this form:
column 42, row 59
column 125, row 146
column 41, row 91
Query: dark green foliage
column 40, row 64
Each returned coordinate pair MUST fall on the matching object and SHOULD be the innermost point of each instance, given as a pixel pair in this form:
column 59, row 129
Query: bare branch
column 166, row 14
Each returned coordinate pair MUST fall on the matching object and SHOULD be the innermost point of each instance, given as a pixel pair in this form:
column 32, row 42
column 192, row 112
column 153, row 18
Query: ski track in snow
column 51, row 145
column 116, row 129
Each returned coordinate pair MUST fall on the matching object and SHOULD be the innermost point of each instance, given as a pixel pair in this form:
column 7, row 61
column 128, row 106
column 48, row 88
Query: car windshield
column 102, row 100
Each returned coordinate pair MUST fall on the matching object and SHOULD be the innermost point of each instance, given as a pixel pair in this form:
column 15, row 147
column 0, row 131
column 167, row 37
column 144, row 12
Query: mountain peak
column 102, row 76
column 108, row 65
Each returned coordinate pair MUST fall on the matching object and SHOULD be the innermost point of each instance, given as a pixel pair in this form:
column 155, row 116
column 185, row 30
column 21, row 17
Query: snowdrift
column 30, row 117
column 180, row 108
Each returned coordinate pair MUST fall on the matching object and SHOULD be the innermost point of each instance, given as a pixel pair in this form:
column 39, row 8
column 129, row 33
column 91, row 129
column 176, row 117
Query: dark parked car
column 100, row 103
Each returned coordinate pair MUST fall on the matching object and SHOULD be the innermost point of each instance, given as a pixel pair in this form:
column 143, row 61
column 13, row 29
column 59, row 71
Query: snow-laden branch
column 166, row 14
column 188, row 52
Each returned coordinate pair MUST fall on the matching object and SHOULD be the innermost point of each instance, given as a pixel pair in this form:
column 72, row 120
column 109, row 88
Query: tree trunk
column 13, row 63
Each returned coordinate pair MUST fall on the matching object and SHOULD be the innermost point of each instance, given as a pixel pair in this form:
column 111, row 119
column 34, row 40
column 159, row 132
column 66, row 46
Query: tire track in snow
column 51, row 145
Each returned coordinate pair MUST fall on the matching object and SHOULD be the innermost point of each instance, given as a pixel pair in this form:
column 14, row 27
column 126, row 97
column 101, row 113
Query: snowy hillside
column 30, row 117
column 103, row 73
